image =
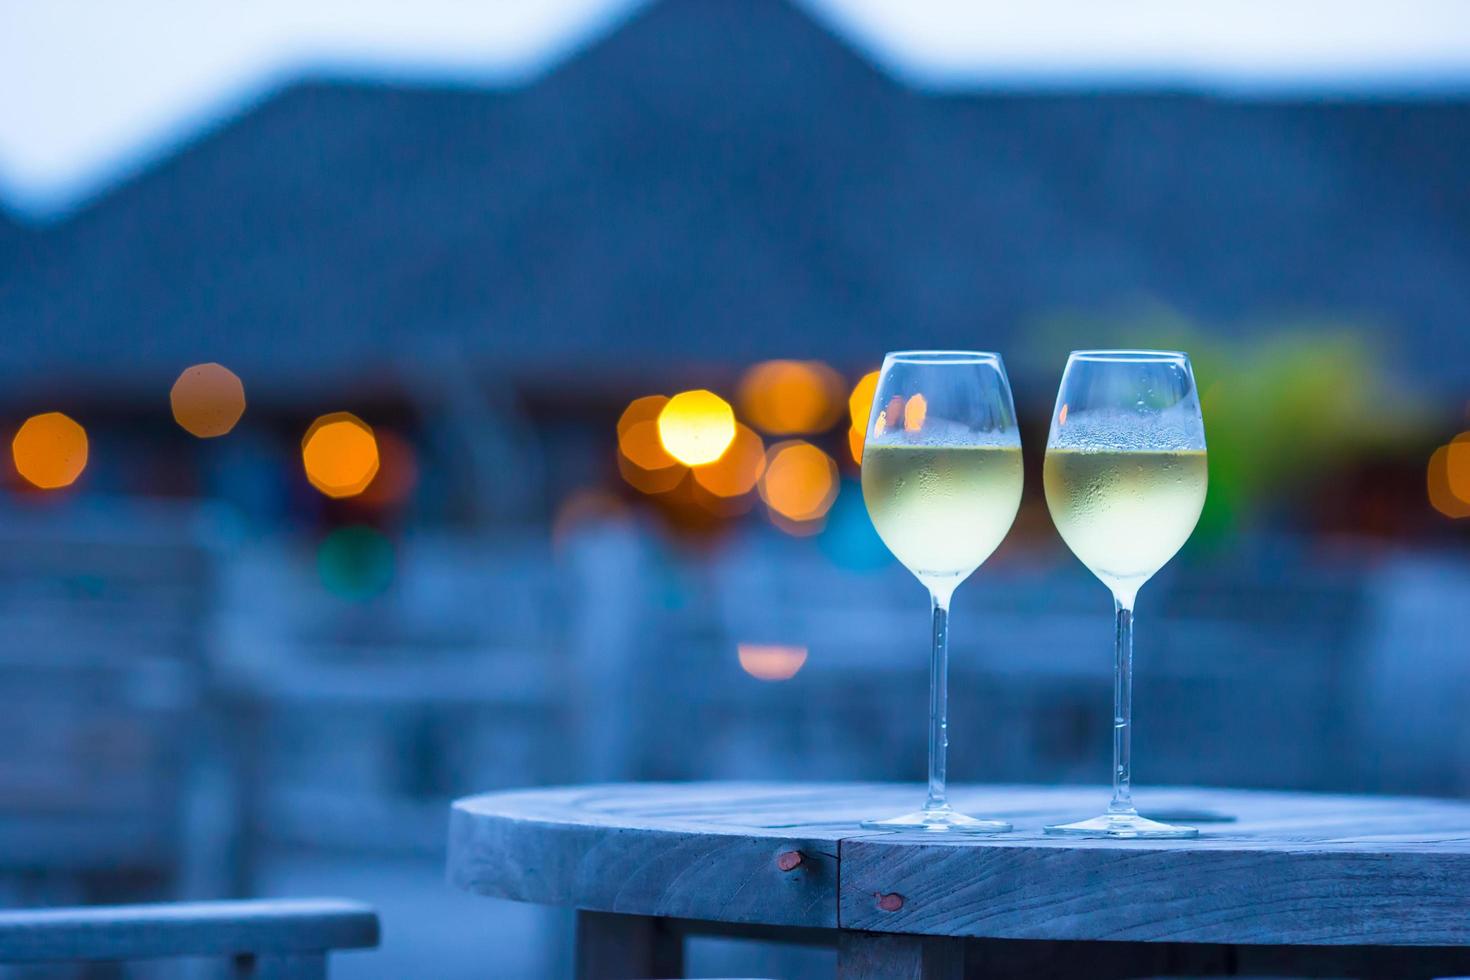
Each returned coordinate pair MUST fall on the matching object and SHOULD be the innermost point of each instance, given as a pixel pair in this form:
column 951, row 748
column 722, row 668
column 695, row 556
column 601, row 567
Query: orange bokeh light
column 642, row 447
column 1457, row 467
column 892, row 414
column 860, row 402
column 797, row 529
column 642, row 459
column 724, row 507
column 735, row 473
column 643, row 409
column 398, row 471
column 587, row 506
column 340, row 454
column 50, row 450
column 791, row 397
column 800, row 482
column 859, row 407
column 1442, row 497
column 914, row 413
column 643, row 462
column 696, row 427
column 207, row 400
column 650, row 481
column 771, row 661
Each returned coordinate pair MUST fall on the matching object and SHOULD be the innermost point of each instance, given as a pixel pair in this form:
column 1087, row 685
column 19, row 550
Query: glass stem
column 1123, row 712
column 939, row 704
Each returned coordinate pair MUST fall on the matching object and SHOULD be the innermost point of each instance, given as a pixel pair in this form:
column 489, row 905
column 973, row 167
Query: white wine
column 942, row 510
column 1125, row 514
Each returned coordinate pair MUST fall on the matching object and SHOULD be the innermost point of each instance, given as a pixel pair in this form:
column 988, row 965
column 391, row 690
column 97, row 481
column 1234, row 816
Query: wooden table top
column 1292, row 868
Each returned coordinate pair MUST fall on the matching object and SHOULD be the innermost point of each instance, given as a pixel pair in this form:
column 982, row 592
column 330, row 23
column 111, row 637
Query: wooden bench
column 262, row 939
column 125, row 791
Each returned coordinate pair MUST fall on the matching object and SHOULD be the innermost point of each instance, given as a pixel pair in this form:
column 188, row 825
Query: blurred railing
column 183, row 705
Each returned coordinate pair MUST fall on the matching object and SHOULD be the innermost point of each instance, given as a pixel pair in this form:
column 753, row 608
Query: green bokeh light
column 356, row 562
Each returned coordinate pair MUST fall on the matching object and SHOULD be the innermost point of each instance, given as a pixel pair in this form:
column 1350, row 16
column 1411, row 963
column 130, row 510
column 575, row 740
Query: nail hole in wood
column 891, row 902
column 787, row 860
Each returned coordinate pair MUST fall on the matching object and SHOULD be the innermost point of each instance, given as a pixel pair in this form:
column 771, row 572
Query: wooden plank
column 126, row 932
column 1292, row 869
column 626, row 947
column 1332, row 871
column 1160, row 894
column 874, row 956
column 736, row 852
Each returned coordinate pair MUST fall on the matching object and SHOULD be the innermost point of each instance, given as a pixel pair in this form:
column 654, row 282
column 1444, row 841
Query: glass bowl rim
column 1129, row 355
column 943, row 357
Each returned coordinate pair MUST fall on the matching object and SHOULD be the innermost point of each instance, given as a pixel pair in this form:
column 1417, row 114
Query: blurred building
column 286, row 675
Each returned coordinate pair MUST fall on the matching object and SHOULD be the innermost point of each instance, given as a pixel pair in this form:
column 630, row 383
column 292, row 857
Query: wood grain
column 269, row 930
column 713, row 852
column 1292, row 869
column 1333, row 871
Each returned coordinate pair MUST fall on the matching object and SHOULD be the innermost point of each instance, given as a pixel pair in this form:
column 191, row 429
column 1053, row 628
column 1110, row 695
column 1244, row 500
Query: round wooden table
column 1304, row 884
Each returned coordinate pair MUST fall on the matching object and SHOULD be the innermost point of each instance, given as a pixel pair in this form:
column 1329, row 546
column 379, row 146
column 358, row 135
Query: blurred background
column 337, row 337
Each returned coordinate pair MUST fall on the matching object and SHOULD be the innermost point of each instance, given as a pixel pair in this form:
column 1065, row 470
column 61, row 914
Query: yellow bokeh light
column 340, row 454
column 914, row 413
column 50, row 450
column 207, row 400
column 1457, row 467
column 735, row 473
column 855, row 443
column 696, row 427
column 771, row 661
column 791, row 397
column 800, row 482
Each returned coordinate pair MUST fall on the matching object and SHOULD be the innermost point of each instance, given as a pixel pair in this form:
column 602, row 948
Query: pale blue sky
column 90, row 92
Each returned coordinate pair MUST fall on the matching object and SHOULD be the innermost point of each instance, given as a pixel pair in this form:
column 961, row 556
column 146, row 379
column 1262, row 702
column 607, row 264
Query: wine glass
column 1125, row 481
column 942, row 481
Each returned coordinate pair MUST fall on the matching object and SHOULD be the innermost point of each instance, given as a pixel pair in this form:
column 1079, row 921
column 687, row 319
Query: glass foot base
column 940, row 820
column 1125, row 825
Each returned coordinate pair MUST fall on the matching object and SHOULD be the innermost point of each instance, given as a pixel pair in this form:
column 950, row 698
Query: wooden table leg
column 627, row 947
column 1023, row 959
column 1369, row 962
column 301, row 966
column 884, row 956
